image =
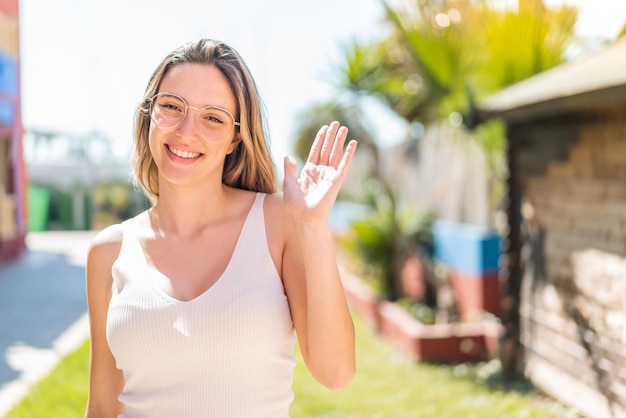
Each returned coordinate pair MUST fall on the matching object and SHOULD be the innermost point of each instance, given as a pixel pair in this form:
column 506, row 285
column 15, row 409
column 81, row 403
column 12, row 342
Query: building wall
column 573, row 258
column 13, row 223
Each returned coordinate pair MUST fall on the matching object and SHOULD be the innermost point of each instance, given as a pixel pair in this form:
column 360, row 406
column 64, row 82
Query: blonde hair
column 250, row 165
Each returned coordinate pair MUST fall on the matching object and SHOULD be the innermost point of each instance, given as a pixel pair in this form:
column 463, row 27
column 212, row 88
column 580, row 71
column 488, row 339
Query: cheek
column 153, row 143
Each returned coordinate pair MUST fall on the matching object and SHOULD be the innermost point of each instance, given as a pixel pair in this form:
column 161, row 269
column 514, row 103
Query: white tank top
column 227, row 353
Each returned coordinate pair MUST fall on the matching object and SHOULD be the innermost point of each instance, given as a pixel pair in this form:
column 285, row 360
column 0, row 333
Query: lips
column 187, row 155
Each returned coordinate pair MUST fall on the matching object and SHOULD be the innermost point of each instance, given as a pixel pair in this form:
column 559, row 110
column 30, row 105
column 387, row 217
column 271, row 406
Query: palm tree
column 443, row 56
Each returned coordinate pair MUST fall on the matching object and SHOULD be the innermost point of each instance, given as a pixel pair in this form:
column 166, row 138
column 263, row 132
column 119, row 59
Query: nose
column 187, row 126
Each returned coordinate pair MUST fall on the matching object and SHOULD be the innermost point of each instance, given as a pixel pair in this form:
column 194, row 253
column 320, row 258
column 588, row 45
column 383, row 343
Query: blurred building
column 13, row 225
column 564, row 281
column 75, row 182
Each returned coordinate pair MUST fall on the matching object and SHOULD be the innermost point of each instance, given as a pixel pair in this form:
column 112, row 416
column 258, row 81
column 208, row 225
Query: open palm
column 311, row 195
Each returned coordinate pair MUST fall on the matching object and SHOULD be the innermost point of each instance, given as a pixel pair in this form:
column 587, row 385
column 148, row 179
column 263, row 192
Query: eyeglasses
column 214, row 123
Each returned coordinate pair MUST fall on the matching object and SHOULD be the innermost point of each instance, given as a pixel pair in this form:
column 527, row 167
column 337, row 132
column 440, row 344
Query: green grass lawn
column 62, row 394
column 387, row 385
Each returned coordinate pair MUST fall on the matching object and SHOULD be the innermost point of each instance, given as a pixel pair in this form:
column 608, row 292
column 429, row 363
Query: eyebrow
column 198, row 107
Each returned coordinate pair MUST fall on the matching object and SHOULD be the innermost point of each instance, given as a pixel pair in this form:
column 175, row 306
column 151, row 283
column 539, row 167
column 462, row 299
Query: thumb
column 290, row 167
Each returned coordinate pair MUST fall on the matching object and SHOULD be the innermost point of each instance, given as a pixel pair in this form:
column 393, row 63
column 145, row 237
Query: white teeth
column 182, row 154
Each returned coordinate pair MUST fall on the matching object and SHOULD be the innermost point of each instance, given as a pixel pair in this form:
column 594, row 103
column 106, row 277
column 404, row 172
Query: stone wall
column 573, row 313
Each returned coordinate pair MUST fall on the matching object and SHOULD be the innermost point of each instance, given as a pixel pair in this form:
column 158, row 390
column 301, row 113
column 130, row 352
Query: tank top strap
column 130, row 239
column 131, row 262
column 253, row 238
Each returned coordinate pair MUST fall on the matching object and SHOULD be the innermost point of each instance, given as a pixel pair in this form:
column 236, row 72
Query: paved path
column 42, row 309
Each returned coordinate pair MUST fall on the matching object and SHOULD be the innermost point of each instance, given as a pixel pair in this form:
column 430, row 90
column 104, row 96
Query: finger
column 316, row 148
column 345, row 162
column 337, row 150
column 329, row 140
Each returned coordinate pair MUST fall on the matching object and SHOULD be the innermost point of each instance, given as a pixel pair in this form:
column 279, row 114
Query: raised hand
column 311, row 195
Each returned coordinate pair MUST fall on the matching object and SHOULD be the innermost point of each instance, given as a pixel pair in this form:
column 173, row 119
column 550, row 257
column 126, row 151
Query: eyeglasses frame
column 150, row 102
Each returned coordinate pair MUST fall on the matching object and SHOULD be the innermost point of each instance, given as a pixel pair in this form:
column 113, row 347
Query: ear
column 234, row 143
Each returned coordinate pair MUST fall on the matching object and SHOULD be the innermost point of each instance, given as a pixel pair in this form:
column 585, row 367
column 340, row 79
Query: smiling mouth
column 183, row 154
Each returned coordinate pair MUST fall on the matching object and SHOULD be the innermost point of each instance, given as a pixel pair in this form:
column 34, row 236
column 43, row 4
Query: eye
column 215, row 117
column 170, row 105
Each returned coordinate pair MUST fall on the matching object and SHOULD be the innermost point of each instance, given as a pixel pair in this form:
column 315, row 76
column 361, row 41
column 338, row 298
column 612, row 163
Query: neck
column 186, row 212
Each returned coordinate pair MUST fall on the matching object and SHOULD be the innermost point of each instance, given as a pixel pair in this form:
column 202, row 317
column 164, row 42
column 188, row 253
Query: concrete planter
column 441, row 343
column 438, row 343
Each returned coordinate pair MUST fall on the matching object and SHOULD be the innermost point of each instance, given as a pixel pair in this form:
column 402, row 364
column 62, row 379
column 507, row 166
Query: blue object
column 7, row 113
column 8, row 76
column 470, row 249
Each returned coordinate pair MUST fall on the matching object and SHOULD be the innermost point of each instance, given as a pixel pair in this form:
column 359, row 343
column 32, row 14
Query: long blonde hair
column 250, row 165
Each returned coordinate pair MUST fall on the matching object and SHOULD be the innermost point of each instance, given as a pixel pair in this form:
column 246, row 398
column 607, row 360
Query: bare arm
column 105, row 380
column 312, row 281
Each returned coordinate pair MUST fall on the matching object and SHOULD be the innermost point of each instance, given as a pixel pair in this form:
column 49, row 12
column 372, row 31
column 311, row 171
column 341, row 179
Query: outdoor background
column 85, row 64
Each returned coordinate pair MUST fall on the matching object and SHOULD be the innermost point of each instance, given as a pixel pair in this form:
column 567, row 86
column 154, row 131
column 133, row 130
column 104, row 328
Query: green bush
column 384, row 238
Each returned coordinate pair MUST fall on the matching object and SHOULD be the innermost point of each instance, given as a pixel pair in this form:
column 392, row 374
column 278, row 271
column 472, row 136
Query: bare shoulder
column 105, row 246
column 274, row 202
column 279, row 231
column 107, row 239
column 103, row 251
column 276, row 213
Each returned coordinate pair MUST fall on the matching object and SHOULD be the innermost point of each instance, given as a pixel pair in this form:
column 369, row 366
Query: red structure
column 13, row 184
column 472, row 253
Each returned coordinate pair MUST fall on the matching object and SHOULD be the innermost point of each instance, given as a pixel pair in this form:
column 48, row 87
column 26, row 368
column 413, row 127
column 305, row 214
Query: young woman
column 195, row 304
